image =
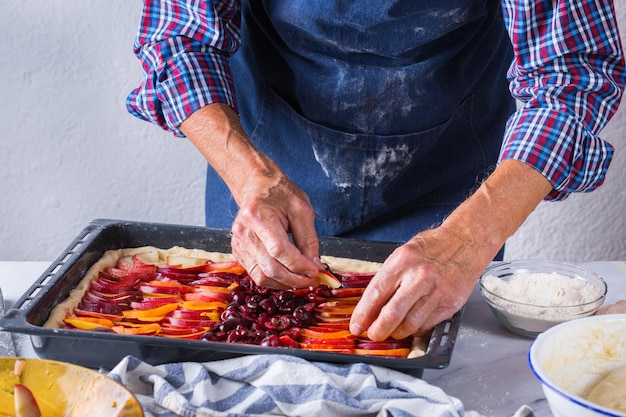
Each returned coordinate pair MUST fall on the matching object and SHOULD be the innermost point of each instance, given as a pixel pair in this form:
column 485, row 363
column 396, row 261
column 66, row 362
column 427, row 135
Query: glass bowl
column 529, row 297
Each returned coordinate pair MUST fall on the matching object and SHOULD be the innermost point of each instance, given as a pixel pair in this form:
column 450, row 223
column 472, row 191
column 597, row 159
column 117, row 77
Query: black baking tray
column 104, row 350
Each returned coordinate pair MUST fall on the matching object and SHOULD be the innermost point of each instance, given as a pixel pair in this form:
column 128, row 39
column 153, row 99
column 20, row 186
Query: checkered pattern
column 568, row 72
column 184, row 47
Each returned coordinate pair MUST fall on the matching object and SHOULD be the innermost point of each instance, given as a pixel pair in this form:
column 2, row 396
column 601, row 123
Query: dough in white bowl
column 611, row 391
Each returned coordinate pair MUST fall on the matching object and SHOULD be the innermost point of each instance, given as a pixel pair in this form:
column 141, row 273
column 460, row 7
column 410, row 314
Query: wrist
column 499, row 206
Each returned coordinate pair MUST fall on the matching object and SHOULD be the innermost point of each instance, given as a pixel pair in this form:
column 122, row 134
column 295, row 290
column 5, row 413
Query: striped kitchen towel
column 281, row 385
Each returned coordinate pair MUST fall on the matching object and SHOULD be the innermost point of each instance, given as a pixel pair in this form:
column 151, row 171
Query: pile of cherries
column 266, row 317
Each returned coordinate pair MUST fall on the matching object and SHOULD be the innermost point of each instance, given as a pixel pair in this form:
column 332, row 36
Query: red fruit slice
column 82, row 313
column 158, row 312
column 205, row 322
column 327, row 348
column 394, row 353
column 228, row 266
column 164, row 287
column 205, row 296
column 327, row 336
column 25, row 403
column 154, row 302
column 144, row 329
column 88, row 323
column 354, row 276
column 367, row 344
column 348, row 292
column 286, row 340
column 171, row 330
column 186, row 336
column 328, row 279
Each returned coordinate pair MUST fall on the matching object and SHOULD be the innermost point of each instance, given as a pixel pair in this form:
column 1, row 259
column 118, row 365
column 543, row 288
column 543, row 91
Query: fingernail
column 355, row 329
column 318, row 261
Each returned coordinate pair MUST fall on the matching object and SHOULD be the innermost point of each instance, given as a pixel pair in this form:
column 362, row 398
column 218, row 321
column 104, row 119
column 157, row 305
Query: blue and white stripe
column 281, row 385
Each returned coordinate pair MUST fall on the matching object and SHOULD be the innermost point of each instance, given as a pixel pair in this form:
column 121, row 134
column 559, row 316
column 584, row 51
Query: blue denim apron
column 387, row 113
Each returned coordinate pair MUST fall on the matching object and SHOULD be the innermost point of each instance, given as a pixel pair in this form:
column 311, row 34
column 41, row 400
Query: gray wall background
column 70, row 152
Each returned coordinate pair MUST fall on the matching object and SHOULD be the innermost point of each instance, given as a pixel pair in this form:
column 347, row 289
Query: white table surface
column 488, row 371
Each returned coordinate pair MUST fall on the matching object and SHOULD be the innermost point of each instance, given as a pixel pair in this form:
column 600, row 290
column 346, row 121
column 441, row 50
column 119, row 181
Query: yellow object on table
column 63, row 389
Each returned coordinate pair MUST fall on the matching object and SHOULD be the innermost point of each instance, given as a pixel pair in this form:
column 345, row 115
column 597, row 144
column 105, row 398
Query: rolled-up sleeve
column 568, row 74
column 183, row 47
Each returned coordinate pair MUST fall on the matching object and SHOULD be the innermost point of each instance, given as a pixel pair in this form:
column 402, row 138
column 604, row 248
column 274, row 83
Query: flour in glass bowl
column 549, row 296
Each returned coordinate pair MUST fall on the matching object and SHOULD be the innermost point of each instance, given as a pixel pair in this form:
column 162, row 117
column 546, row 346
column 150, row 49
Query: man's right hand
column 270, row 205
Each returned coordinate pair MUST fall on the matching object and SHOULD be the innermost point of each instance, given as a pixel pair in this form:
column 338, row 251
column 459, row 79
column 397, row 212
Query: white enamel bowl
column 571, row 358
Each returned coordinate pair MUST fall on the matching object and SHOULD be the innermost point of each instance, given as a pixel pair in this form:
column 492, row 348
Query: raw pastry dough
column 611, row 391
column 350, row 265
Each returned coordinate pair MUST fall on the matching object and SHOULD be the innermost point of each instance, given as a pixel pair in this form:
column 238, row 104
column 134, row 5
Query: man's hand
column 270, row 205
column 260, row 240
column 430, row 277
column 422, row 283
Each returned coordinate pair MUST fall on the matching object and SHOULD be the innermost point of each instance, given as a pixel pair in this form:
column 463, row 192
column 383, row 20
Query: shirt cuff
column 557, row 145
column 186, row 83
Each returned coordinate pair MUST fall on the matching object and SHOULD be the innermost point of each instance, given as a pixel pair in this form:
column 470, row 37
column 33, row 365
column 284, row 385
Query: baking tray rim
column 438, row 353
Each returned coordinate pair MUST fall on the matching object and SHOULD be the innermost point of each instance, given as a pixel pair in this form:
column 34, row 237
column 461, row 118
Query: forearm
column 216, row 132
column 497, row 209
column 430, row 278
column 270, row 205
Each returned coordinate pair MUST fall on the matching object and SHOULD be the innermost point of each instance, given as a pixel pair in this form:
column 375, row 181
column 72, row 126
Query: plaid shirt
column 568, row 73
